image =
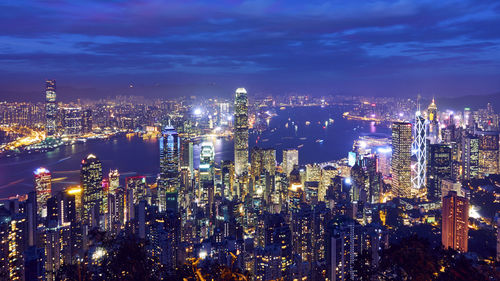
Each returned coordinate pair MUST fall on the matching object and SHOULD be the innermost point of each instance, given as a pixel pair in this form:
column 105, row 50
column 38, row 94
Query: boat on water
column 319, row 141
column 300, row 145
column 307, row 123
column 303, row 138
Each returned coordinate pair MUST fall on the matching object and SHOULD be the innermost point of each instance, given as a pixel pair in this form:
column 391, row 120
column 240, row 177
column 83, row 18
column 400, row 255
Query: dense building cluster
column 273, row 220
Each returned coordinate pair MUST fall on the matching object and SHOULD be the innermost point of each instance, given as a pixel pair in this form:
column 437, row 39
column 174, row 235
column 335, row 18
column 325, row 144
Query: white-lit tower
column 419, row 151
column 240, row 132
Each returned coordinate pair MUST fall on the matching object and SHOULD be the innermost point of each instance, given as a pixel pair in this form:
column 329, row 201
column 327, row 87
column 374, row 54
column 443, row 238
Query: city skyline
column 203, row 48
column 250, row 140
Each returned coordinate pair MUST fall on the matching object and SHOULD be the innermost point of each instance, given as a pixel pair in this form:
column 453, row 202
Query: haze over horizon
column 376, row 48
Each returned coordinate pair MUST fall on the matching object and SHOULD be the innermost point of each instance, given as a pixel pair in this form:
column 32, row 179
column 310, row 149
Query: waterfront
column 132, row 156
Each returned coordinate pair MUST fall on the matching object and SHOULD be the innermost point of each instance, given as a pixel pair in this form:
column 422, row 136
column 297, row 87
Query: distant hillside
column 473, row 101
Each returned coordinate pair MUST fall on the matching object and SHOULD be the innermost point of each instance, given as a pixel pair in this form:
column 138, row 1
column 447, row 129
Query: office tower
column 327, row 174
column 262, row 159
column 455, row 222
column 139, row 186
column 187, row 156
column 341, row 248
column 419, row 151
column 488, row 153
column 433, row 122
column 401, row 159
column 87, row 121
column 439, row 167
column 207, row 158
column 240, row 132
column 114, row 181
column 76, row 193
column 227, row 175
column 16, row 242
column 43, row 190
column 91, row 182
column 168, row 181
column 290, row 159
column 470, row 157
column 72, row 121
column 50, row 108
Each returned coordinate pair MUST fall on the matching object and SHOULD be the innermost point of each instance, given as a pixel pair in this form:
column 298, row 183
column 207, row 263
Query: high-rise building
column 91, row 182
column 114, row 181
column 488, row 152
column 455, row 222
column 240, row 132
column 207, row 157
column 87, row 121
column 419, row 151
column 262, row 159
column 168, row 181
column 50, row 108
column 401, row 159
column 439, row 167
column 72, row 121
column 470, row 157
column 43, row 184
column 290, row 159
column 433, row 122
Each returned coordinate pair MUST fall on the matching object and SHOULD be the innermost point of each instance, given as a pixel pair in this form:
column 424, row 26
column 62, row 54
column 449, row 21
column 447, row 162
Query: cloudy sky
column 171, row 48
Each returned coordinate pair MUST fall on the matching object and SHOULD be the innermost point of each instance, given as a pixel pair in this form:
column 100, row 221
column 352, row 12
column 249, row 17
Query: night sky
column 172, row 48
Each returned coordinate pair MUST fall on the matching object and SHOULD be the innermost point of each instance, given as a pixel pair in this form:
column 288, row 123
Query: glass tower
column 240, row 132
column 401, row 159
column 50, row 108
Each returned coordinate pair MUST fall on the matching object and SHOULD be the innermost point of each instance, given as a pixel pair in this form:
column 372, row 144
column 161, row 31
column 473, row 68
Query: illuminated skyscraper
column 114, row 181
column 207, row 156
column 91, row 182
column 290, row 159
column 168, row 181
column 401, row 159
column 262, row 159
column 50, row 108
column 455, row 223
column 470, row 157
column 433, row 122
column 438, row 168
column 42, row 189
column 72, row 121
column 240, row 132
column 488, row 153
column 419, row 150
column 87, row 121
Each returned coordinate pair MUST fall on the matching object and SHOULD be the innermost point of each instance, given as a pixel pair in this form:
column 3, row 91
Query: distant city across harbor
column 320, row 134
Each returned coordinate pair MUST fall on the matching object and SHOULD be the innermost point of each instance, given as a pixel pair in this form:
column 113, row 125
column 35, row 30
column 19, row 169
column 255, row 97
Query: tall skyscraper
column 401, row 159
column 488, row 152
column 470, row 157
column 433, row 122
column 290, row 159
column 240, row 132
column 168, row 181
column 50, row 108
column 262, row 159
column 114, row 181
column 72, row 121
column 87, row 121
column 455, row 222
column 419, row 151
column 91, row 182
column 439, row 167
column 43, row 189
